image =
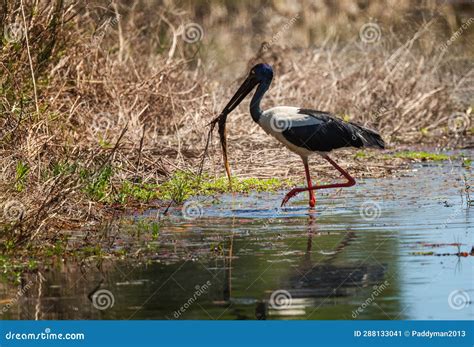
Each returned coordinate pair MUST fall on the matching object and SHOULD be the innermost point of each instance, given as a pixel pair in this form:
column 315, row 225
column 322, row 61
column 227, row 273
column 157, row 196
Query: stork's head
column 260, row 73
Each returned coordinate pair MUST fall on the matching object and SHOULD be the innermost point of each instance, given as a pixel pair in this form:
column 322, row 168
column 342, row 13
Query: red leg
column 312, row 199
column 350, row 182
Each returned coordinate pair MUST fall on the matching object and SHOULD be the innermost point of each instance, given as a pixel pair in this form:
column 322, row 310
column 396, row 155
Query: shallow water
column 384, row 249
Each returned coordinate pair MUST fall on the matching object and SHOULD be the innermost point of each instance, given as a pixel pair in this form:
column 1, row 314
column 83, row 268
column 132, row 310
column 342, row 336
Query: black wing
column 331, row 133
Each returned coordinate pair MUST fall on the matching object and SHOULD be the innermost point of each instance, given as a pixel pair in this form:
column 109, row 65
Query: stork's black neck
column 255, row 110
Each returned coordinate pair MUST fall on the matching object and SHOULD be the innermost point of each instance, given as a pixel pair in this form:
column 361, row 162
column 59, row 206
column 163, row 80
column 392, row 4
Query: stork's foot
column 290, row 194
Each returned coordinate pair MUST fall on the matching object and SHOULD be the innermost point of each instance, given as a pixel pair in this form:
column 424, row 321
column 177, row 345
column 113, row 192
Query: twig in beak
column 221, row 120
column 223, row 139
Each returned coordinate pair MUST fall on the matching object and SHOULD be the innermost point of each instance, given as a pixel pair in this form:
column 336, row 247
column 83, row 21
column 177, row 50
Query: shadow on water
column 384, row 250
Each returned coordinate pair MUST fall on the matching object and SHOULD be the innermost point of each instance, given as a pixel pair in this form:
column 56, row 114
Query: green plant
column 421, row 155
column 148, row 226
column 62, row 168
column 136, row 191
column 179, row 187
column 183, row 185
column 466, row 162
column 98, row 185
column 22, row 170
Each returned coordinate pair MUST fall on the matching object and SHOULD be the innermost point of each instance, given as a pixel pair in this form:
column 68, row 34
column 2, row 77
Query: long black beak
column 246, row 87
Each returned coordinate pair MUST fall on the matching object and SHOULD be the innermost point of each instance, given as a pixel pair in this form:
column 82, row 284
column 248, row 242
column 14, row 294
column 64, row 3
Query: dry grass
column 87, row 88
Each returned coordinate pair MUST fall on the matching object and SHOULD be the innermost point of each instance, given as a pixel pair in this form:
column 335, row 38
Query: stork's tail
column 369, row 137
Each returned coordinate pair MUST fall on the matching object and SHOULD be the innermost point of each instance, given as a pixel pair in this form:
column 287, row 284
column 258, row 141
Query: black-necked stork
column 303, row 131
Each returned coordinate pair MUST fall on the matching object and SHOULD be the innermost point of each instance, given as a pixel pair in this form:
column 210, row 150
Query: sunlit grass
column 183, row 185
column 414, row 155
column 178, row 188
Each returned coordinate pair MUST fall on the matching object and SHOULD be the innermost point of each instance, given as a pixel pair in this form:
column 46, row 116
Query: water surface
column 384, row 249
